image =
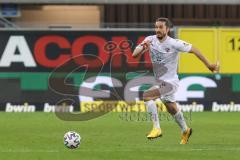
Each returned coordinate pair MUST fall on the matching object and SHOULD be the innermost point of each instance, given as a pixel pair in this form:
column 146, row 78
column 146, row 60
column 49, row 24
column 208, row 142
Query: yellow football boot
column 186, row 135
column 155, row 133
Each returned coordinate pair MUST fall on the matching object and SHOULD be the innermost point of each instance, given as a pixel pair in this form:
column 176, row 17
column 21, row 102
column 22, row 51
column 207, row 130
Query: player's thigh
column 151, row 93
column 167, row 88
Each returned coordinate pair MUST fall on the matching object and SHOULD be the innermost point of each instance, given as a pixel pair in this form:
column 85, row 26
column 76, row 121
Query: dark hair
column 166, row 20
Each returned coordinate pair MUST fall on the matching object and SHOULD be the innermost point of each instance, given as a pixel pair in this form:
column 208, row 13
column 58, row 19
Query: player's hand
column 141, row 48
column 213, row 67
column 146, row 43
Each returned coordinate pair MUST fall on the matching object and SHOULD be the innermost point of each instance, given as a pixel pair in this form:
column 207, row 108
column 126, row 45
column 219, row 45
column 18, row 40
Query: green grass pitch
column 39, row 136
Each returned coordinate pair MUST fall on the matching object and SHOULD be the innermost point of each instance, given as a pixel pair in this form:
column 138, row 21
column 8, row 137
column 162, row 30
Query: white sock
column 180, row 121
column 152, row 108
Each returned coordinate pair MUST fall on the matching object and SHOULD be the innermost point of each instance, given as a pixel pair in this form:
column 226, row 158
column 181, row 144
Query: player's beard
column 160, row 37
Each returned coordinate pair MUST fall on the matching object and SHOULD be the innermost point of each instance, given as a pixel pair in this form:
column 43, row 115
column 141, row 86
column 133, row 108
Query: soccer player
column 164, row 57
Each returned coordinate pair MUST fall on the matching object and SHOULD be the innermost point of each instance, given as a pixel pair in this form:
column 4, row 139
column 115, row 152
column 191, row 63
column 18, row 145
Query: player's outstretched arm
column 141, row 48
column 211, row 67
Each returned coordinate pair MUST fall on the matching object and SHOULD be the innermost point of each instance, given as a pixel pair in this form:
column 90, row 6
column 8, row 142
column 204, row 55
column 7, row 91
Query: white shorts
column 167, row 89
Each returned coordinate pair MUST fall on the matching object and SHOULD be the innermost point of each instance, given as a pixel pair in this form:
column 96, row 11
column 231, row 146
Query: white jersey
column 164, row 56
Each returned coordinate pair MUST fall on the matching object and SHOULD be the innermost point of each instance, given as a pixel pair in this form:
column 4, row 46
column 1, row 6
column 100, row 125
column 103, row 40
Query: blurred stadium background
column 38, row 36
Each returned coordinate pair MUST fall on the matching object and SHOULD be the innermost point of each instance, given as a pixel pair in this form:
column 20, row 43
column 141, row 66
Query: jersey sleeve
column 182, row 46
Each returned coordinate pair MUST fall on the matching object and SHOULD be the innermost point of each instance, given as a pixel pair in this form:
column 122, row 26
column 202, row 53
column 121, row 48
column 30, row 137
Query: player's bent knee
column 150, row 95
column 145, row 96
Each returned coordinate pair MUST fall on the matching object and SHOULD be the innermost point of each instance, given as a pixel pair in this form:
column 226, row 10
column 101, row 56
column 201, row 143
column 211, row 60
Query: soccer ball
column 71, row 139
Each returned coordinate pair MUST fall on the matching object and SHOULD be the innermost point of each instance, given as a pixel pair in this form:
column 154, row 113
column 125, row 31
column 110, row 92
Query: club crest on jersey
column 167, row 49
